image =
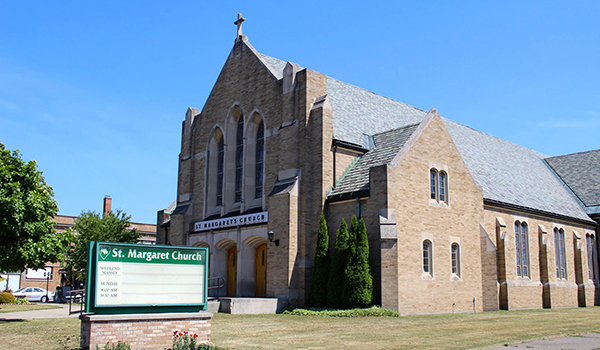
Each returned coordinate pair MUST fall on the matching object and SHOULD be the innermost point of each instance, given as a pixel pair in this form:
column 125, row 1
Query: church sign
column 135, row 278
column 234, row 221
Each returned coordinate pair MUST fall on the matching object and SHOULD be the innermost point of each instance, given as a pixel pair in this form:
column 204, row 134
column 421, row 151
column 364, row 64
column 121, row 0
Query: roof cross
column 238, row 23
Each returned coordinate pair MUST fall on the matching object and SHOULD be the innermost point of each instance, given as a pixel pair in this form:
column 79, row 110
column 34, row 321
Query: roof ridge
column 396, row 129
column 572, row 154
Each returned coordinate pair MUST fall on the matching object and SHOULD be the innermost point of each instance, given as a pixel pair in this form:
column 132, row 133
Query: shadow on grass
column 9, row 320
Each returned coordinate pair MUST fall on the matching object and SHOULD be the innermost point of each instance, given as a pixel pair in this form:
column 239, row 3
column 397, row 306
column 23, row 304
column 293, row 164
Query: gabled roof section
column 581, row 172
column 358, row 111
column 512, row 174
column 387, row 145
column 506, row 172
column 275, row 65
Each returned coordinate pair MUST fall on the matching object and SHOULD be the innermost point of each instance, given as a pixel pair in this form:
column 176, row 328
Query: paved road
column 584, row 342
column 62, row 312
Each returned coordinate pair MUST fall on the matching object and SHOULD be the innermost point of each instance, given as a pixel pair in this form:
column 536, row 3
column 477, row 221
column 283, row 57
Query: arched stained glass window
column 260, row 156
column 522, row 248
column 220, row 166
column 239, row 159
column 559, row 253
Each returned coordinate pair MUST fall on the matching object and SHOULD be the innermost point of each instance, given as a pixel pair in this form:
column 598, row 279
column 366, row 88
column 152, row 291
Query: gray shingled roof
column 358, row 111
column 581, row 172
column 387, row 145
column 505, row 171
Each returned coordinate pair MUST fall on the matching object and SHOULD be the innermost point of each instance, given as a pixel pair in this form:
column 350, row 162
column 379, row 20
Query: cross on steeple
column 238, row 23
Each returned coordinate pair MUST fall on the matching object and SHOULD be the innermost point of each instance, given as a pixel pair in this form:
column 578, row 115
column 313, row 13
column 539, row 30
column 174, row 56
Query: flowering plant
column 189, row 341
column 118, row 346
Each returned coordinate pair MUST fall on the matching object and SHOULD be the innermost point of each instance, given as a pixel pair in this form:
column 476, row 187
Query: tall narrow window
column 589, row 240
column 559, row 253
column 220, row 166
column 433, row 183
column 522, row 248
column 455, row 252
column 239, row 159
column 427, row 257
column 260, row 150
column 443, row 186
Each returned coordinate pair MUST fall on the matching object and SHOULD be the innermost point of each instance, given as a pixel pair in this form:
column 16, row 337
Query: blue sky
column 96, row 91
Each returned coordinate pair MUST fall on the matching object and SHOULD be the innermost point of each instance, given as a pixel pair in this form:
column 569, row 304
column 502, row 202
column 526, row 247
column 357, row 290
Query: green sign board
column 132, row 278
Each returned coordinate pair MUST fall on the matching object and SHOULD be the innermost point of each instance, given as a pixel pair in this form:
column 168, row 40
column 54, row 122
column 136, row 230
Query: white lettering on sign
column 242, row 220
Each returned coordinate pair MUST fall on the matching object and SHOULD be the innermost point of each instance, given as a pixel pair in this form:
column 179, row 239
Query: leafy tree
column 320, row 272
column 337, row 277
column 90, row 226
column 360, row 282
column 27, row 235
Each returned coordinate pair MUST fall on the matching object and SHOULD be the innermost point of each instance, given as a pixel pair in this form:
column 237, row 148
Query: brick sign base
column 142, row 331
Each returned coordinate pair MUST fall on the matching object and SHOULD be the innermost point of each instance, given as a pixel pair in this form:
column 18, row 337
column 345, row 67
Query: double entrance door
column 260, row 276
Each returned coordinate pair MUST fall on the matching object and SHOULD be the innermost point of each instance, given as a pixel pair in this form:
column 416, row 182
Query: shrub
column 6, row 298
column 360, row 282
column 21, row 301
column 374, row 311
column 337, row 284
column 117, row 346
column 320, row 272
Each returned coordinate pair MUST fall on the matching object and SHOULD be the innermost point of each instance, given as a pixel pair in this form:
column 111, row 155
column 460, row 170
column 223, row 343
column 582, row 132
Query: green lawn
column 454, row 331
column 28, row 307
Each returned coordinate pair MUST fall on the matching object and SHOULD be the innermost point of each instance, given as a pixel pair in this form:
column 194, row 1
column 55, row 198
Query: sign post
column 132, row 278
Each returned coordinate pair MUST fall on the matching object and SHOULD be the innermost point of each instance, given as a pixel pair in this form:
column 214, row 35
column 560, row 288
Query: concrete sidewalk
column 583, row 342
column 62, row 312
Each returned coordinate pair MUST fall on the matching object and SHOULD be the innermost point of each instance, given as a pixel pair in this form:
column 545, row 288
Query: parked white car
column 34, row 294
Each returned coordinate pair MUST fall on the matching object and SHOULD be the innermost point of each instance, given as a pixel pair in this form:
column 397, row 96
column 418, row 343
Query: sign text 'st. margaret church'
column 455, row 217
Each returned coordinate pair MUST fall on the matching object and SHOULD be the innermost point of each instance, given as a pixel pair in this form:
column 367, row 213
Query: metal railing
column 76, row 296
column 216, row 283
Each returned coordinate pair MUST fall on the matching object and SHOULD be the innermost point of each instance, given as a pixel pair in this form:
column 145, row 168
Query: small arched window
column 427, row 257
column 443, row 187
column 239, row 159
column 559, row 253
column 455, row 253
column 522, row 248
column 433, row 184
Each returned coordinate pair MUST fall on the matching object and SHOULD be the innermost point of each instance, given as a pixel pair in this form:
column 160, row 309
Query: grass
column 25, row 307
column 450, row 331
column 453, row 331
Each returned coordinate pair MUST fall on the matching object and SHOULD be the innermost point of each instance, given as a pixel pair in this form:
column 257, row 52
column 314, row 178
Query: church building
column 457, row 219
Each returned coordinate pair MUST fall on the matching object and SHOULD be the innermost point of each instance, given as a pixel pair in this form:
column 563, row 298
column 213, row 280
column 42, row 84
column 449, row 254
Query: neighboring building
column 456, row 218
column 53, row 275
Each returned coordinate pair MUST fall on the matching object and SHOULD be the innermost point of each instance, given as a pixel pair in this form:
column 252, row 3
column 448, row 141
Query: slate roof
column 581, row 172
column 505, row 171
column 387, row 145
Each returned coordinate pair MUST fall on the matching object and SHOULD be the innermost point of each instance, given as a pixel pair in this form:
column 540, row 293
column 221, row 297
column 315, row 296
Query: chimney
column 107, row 205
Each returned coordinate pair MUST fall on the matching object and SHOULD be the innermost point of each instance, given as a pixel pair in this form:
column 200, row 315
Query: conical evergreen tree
column 320, row 271
column 337, row 273
column 360, row 282
column 352, row 237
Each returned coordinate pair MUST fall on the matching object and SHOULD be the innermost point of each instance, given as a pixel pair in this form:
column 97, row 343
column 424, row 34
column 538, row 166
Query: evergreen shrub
column 6, row 298
column 360, row 282
column 320, row 271
column 336, row 287
column 374, row 311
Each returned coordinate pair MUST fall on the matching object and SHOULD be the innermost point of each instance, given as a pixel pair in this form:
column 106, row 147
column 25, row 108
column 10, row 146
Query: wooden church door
column 261, row 271
column 232, row 272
